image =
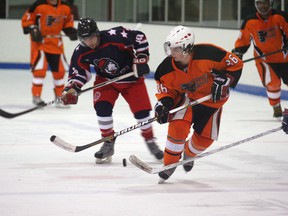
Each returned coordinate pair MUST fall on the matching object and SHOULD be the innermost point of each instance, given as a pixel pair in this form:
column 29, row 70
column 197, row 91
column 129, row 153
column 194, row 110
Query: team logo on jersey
column 96, row 96
column 196, row 83
column 266, row 33
column 106, row 65
column 52, row 19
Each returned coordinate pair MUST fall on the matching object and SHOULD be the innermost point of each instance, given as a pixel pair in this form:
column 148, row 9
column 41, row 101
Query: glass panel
column 75, row 8
column 192, row 11
column 174, row 10
column 247, row 7
column 229, row 13
column 142, row 10
column 210, row 12
column 97, row 9
column 2, row 9
column 124, row 10
column 158, row 10
column 17, row 8
column 277, row 4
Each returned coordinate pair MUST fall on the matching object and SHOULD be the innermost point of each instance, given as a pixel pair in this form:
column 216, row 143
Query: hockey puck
column 124, row 162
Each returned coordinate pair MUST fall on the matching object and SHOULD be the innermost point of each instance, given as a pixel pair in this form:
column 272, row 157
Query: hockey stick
column 55, row 36
column 9, row 115
column 268, row 54
column 72, row 148
column 147, row 168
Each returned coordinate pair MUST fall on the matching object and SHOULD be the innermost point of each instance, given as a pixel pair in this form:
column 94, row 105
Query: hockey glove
column 285, row 121
column 162, row 109
column 70, row 94
column 140, row 65
column 71, row 33
column 35, row 33
column 220, row 87
column 161, row 112
column 238, row 53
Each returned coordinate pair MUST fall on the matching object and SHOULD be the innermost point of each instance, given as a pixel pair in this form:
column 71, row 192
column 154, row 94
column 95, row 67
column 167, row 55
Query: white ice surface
column 40, row 179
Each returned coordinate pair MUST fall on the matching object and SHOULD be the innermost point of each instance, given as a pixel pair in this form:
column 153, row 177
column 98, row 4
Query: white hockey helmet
column 180, row 36
column 263, row 1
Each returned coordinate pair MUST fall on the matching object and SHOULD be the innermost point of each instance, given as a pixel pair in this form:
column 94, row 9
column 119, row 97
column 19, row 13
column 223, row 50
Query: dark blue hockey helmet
column 86, row 28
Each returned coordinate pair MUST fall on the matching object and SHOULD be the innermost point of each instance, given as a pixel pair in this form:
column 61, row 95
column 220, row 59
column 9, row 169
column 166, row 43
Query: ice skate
column 187, row 166
column 59, row 104
column 104, row 155
column 164, row 175
column 37, row 101
column 277, row 111
column 154, row 149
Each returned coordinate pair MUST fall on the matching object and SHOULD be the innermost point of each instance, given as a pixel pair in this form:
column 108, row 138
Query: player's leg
column 39, row 68
column 206, row 129
column 281, row 71
column 178, row 131
column 57, row 65
column 272, row 83
column 137, row 97
column 104, row 100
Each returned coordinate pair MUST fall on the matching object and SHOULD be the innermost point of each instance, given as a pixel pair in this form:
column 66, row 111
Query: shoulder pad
column 36, row 4
column 248, row 18
column 280, row 13
column 165, row 67
column 208, row 52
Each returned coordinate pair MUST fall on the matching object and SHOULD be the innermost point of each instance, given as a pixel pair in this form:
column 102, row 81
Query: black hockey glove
column 285, row 121
column 70, row 94
column 71, row 33
column 238, row 53
column 162, row 109
column 140, row 65
column 220, row 87
column 35, row 33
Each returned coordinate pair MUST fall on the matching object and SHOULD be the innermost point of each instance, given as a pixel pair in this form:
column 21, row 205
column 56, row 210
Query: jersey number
column 161, row 88
column 232, row 60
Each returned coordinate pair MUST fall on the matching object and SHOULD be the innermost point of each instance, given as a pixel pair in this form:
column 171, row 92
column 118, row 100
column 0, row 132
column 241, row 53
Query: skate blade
column 106, row 160
column 161, row 180
column 61, row 106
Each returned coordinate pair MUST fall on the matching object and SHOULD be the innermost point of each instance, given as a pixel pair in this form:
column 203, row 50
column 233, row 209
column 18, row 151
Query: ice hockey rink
column 41, row 179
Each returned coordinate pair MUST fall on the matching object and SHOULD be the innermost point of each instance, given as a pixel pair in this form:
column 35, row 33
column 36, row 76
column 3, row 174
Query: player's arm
column 141, row 55
column 79, row 75
column 284, row 27
column 164, row 104
column 226, row 75
column 165, row 96
column 30, row 26
column 243, row 41
column 68, row 28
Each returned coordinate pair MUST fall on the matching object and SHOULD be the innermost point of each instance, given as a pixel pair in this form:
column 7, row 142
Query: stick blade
column 5, row 114
column 62, row 144
column 140, row 164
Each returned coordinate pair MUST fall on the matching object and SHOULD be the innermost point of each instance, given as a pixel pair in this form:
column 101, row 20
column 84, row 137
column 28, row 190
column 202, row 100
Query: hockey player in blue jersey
column 112, row 52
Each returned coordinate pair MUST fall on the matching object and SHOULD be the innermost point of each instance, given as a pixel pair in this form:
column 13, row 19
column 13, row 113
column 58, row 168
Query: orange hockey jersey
column 267, row 35
column 207, row 59
column 51, row 20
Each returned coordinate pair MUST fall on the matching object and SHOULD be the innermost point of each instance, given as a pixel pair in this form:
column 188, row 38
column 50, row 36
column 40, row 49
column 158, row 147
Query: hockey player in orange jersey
column 268, row 30
column 44, row 21
column 189, row 73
